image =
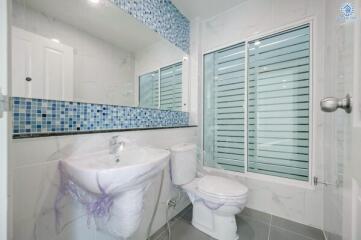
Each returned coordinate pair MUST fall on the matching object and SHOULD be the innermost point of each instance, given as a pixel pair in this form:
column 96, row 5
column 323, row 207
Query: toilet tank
column 183, row 163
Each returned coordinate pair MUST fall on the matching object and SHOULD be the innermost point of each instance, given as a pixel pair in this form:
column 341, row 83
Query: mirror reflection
column 92, row 51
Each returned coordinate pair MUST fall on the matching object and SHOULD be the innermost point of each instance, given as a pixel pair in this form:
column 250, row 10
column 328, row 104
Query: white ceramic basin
column 116, row 173
column 121, row 178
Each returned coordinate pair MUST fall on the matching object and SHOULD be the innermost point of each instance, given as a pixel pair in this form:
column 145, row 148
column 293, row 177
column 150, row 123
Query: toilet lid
column 221, row 186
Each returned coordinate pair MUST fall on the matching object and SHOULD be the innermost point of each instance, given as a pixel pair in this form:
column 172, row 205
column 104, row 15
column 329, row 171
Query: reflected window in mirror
column 171, row 87
column 149, row 90
column 162, row 88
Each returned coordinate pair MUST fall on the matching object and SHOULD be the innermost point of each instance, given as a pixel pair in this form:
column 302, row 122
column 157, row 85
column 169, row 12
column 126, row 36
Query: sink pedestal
column 125, row 215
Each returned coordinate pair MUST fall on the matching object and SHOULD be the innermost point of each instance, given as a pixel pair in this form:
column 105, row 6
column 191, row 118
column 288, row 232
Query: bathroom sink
column 111, row 184
column 118, row 172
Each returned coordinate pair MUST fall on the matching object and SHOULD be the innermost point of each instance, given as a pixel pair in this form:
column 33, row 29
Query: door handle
column 331, row 104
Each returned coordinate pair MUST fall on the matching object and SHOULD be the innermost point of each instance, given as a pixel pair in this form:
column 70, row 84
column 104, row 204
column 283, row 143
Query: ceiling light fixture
column 55, row 40
column 94, row 1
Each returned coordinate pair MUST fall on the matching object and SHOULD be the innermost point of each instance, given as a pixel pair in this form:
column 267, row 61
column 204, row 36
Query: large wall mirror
column 92, row 51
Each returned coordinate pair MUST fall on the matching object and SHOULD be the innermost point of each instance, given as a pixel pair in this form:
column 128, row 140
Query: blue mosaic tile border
column 38, row 116
column 162, row 17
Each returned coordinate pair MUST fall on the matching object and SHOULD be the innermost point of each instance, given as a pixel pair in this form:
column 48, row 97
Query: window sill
column 260, row 177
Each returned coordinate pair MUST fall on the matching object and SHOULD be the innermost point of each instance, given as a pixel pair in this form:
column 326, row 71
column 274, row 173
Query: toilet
column 216, row 200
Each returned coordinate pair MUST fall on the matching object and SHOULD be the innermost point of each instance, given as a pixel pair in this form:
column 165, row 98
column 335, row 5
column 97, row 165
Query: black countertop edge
column 37, row 135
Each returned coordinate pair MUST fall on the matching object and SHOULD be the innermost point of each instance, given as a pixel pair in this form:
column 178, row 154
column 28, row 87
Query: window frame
column 305, row 184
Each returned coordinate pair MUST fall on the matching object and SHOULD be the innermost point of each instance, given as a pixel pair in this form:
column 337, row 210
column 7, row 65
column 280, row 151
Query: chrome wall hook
column 331, row 104
column 316, row 181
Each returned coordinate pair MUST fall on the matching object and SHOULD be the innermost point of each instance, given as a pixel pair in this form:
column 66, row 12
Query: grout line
column 299, row 234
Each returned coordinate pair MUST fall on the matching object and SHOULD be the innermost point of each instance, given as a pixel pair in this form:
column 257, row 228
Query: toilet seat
column 221, row 187
column 205, row 188
column 216, row 201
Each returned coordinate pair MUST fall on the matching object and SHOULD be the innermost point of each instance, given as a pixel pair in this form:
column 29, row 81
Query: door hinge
column 4, row 104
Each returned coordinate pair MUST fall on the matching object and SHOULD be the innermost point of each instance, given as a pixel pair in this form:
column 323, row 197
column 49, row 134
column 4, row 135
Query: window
column 223, row 108
column 162, row 88
column 171, row 87
column 274, row 128
column 149, row 90
column 278, row 104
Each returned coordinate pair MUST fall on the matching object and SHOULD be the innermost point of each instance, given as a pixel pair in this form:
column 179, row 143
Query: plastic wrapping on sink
column 117, row 210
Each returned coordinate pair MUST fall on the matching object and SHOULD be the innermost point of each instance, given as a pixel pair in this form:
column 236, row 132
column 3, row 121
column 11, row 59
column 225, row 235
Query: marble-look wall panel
column 35, row 182
column 162, row 17
column 299, row 204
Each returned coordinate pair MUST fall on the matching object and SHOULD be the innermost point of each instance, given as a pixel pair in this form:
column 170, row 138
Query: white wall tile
column 35, row 182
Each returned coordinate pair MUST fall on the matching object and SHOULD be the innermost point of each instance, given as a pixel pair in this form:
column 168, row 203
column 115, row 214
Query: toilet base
column 221, row 227
column 213, row 235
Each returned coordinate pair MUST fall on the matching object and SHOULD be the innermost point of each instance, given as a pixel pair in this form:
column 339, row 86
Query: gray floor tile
column 252, row 225
column 281, row 234
column 160, row 234
column 301, row 229
column 333, row 236
column 250, row 229
column 256, row 215
column 187, row 214
column 163, row 232
column 183, row 230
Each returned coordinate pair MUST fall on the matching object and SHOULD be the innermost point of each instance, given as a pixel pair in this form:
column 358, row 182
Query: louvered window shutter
column 278, row 104
column 149, row 90
column 171, row 87
column 224, row 94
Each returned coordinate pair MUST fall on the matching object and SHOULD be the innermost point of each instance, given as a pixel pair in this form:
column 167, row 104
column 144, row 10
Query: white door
column 3, row 119
column 342, row 131
column 356, row 131
column 42, row 68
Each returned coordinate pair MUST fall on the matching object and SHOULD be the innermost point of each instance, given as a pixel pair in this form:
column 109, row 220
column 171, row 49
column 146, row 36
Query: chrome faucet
column 116, row 145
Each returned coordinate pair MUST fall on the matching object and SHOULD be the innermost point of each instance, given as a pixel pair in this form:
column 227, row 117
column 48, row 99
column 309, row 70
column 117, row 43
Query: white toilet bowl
column 216, row 201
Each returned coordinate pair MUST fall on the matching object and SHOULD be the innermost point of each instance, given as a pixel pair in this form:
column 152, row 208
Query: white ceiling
column 108, row 22
column 103, row 20
column 204, row 8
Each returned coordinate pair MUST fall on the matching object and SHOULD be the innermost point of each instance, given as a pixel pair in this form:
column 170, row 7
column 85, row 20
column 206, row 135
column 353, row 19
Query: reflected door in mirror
column 42, row 68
